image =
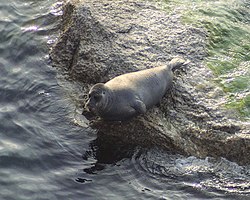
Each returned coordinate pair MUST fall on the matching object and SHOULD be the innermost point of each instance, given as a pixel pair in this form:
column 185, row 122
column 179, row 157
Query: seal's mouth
column 90, row 108
column 89, row 111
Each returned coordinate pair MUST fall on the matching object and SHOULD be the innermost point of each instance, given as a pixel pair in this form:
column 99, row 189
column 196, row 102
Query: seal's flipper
column 140, row 107
column 176, row 63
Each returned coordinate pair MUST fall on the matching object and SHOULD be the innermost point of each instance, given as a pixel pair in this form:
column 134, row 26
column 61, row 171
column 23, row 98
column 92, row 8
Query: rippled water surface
column 45, row 155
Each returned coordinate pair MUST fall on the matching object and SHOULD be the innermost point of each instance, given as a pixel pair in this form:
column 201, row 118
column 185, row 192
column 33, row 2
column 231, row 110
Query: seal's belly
column 153, row 88
column 152, row 92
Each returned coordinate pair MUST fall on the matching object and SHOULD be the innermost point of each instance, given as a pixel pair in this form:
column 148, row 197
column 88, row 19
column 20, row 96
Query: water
column 44, row 154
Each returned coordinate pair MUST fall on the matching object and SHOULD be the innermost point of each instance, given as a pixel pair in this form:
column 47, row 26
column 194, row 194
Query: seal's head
column 99, row 96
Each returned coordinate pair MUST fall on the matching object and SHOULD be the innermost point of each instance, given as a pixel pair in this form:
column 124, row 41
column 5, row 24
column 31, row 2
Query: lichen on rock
column 102, row 39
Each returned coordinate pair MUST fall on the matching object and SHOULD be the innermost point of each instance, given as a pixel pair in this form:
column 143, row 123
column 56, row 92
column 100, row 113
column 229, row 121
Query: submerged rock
column 101, row 39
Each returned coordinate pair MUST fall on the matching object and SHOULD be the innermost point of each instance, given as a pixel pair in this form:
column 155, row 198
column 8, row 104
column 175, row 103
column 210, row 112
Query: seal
column 131, row 94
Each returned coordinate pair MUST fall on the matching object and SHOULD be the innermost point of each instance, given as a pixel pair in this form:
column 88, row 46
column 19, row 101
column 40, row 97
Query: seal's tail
column 176, row 63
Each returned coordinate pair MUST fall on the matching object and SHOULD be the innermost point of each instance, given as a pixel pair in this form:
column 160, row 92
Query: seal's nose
column 87, row 112
column 89, row 107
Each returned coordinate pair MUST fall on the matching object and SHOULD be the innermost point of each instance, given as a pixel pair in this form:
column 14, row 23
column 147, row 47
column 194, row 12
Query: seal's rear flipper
column 176, row 63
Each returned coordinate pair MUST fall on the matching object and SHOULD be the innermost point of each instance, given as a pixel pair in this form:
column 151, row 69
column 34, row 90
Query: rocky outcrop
column 102, row 39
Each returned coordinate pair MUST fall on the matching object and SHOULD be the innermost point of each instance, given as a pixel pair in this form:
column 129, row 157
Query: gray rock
column 101, row 39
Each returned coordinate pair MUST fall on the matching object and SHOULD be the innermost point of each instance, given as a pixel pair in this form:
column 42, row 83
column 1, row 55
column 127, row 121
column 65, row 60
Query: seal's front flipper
column 140, row 107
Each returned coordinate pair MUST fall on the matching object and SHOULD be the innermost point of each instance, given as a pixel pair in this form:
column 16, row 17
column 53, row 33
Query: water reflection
column 107, row 150
column 158, row 172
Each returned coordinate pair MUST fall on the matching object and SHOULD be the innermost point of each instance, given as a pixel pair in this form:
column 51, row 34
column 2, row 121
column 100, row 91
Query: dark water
column 44, row 154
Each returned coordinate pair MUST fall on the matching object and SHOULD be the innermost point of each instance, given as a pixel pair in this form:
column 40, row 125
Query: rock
column 101, row 39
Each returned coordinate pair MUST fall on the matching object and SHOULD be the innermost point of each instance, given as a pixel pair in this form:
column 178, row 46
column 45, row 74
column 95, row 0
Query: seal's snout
column 90, row 107
column 88, row 112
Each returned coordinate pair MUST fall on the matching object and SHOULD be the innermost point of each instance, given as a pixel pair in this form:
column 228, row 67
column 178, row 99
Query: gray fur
column 131, row 94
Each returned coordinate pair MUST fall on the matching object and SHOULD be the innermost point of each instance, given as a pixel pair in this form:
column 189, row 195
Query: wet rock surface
column 102, row 39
